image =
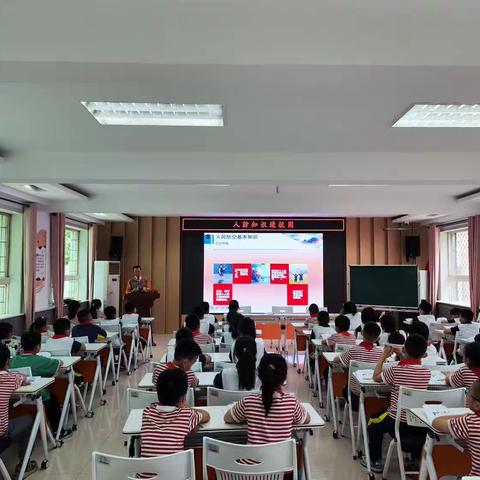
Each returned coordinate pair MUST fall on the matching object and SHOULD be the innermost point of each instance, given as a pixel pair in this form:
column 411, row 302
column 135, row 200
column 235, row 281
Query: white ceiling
column 310, row 91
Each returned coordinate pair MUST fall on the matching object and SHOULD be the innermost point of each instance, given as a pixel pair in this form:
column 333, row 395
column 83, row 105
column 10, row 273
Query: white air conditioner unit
column 106, row 283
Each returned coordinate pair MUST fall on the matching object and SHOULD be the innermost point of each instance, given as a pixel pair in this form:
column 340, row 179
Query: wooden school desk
column 32, row 393
column 147, row 322
column 205, row 380
column 417, row 417
column 369, row 388
column 217, row 428
column 109, row 339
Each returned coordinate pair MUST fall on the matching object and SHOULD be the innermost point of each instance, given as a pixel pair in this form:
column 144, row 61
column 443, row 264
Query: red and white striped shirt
column 465, row 377
column 191, row 377
column 407, row 373
column 202, row 338
column 344, row 338
column 9, row 382
column 164, row 429
column 365, row 352
column 285, row 411
column 467, row 427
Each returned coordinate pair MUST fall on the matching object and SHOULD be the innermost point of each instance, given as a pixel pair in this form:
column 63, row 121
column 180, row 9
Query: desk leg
column 332, row 402
column 306, row 459
column 295, row 349
column 149, row 342
column 427, row 469
column 73, row 403
column 96, row 381
column 109, row 366
column 66, row 406
column 319, row 381
column 363, row 423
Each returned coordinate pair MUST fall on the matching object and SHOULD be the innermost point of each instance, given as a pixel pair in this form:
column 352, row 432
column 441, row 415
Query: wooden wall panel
column 172, row 280
column 394, row 245
column 103, row 241
column 159, row 265
column 379, row 241
column 366, row 241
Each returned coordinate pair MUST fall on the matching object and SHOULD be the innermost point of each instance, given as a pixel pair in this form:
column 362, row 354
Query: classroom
column 239, row 240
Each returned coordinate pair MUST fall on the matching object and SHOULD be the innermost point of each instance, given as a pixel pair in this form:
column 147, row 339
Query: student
column 271, row 414
column 39, row 325
column 73, row 306
column 207, row 315
column 96, row 309
column 61, row 328
column 465, row 427
column 454, row 315
column 342, row 335
column 243, row 375
column 166, row 424
column 41, row 367
column 313, row 311
column 246, row 328
column 409, row 373
column 233, row 308
column 425, row 313
column 389, row 325
column 349, row 309
column 422, row 329
column 181, row 335
column 205, row 326
column 86, row 328
column 396, row 338
column 16, row 429
column 466, row 328
column 130, row 317
column 467, row 375
column 368, row 315
column 193, row 323
column 186, row 354
column 6, row 338
column 323, row 327
column 232, row 333
column 110, row 313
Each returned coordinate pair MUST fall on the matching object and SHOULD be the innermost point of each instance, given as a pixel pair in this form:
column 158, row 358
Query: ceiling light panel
column 156, row 114
column 440, row 116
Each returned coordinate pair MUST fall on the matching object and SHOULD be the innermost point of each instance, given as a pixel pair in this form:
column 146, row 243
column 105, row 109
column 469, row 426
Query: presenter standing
column 138, row 283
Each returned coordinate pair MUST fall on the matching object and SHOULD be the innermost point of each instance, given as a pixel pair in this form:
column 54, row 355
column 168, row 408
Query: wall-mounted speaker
column 116, row 247
column 412, row 246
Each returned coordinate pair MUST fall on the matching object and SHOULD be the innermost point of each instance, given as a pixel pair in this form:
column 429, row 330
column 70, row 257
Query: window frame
column 5, row 279
column 81, row 275
column 449, row 278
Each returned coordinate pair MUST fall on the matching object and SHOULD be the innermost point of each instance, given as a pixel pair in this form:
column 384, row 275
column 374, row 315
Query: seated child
column 130, row 317
column 323, row 327
column 342, row 324
column 243, row 375
column 422, row 329
column 454, row 315
column 6, row 338
column 365, row 352
column 110, row 313
column 207, row 315
column 470, row 373
column 86, row 328
column 230, row 332
column 17, row 429
column 182, row 334
column 246, row 328
column 389, row 325
column 349, row 309
column 193, row 323
column 313, row 312
column 39, row 325
column 269, row 415
column 409, row 373
column 61, row 327
column 425, row 313
column 205, row 327
column 465, row 427
column 41, row 367
column 166, row 424
column 96, row 309
column 186, row 354
column 466, row 328
column 368, row 315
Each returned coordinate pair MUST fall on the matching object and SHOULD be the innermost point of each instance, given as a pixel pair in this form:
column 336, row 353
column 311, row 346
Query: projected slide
column 262, row 270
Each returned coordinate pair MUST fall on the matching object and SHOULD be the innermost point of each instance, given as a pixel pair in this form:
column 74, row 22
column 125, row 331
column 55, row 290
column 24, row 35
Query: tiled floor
column 330, row 458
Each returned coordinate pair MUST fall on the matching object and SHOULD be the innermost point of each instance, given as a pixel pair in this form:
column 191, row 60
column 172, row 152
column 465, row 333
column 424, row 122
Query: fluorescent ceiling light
column 100, row 214
column 441, row 116
column 33, row 188
column 358, row 185
column 151, row 114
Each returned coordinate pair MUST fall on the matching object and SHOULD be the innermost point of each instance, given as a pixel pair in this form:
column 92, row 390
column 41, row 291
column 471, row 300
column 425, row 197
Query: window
column 454, row 269
column 76, row 263
column 4, row 262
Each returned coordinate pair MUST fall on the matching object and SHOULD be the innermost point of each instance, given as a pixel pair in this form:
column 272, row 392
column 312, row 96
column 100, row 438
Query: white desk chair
column 218, row 396
column 415, row 398
column 196, row 367
column 353, row 367
column 219, row 366
column 342, row 347
column 114, row 326
column 81, row 340
column 271, row 461
column 208, row 348
column 61, row 347
column 139, row 399
column 27, row 371
column 224, row 348
column 178, row 466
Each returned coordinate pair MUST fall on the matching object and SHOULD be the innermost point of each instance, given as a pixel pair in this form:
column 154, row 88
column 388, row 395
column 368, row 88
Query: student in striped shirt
column 409, row 373
column 166, row 424
column 465, row 427
column 270, row 415
column 193, row 323
column 342, row 324
column 181, row 335
column 16, row 430
column 365, row 352
column 186, row 354
column 467, row 375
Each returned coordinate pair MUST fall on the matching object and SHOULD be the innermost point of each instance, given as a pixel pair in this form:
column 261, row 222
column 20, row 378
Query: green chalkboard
column 386, row 285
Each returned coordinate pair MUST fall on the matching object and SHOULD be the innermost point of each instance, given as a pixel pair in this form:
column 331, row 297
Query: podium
column 143, row 301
